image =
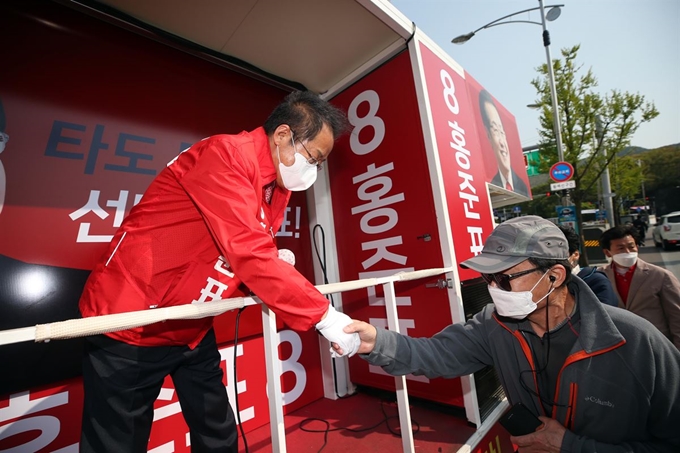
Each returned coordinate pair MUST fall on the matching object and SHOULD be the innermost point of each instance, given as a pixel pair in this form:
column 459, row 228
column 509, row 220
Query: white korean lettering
column 20, row 405
column 469, row 214
column 381, row 252
column 390, row 221
column 222, row 266
column 379, row 214
column 168, row 410
column 465, row 185
column 383, row 185
column 212, row 291
column 92, row 206
column 467, row 192
column 233, row 387
column 476, row 240
column 404, row 326
column 284, row 231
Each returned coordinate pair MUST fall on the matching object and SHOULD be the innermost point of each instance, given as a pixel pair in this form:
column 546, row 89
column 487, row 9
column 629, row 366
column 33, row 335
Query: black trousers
column 121, row 383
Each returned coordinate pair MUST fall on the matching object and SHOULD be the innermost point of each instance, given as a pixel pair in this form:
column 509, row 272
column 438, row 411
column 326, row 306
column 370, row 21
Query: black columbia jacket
column 618, row 390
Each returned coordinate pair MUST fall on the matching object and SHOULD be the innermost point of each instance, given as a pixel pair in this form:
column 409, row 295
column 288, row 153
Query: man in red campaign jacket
column 205, row 225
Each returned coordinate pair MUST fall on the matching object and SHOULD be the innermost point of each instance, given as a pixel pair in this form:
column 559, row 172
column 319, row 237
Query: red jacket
column 200, row 230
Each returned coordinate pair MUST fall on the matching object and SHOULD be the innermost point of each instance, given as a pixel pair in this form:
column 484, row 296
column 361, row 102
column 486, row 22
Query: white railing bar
column 74, row 328
column 340, row 287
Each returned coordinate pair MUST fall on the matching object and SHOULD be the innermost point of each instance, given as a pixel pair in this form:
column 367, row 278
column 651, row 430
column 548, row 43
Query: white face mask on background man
column 299, row 176
column 625, row 259
column 516, row 304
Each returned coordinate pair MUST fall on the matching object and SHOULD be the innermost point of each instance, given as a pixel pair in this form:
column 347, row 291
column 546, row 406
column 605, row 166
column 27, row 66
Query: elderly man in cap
column 599, row 378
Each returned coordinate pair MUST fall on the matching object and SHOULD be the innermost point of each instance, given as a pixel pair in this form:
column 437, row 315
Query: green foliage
column 661, row 168
column 626, row 177
column 595, row 128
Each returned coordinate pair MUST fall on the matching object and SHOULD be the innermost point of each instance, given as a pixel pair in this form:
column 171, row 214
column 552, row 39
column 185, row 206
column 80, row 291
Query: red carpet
column 441, row 429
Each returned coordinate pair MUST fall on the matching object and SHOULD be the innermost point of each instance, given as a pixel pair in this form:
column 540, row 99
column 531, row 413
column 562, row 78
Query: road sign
column 566, row 215
column 561, row 171
column 568, row 212
column 562, row 185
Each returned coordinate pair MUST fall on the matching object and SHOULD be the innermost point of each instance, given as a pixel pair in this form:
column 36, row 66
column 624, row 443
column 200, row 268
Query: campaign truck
column 97, row 97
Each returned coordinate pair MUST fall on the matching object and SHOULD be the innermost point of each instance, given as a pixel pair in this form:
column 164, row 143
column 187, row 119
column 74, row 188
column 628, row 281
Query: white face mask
column 299, row 176
column 625, row 259
column 516, row 304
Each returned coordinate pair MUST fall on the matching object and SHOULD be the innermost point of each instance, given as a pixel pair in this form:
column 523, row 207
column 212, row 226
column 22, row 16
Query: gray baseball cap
column 516, row 240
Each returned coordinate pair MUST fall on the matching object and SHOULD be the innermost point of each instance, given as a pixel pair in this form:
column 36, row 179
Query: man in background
column 641, row 226
column 595, row 279
column 649, row 291
column 505, row 177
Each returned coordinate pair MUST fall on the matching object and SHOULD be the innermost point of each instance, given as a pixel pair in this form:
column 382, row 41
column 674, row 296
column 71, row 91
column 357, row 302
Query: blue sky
column 631, row 45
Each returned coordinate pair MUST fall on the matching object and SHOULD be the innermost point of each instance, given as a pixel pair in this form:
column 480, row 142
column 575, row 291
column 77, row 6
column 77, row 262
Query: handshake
column 331, row 327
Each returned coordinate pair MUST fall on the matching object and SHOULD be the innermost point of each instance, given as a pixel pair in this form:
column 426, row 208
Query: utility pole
column 644, row 197
column 606, row 183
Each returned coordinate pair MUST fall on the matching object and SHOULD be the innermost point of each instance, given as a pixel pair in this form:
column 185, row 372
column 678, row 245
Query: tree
column 595, row 128
column 626, row 176
column 661, row 167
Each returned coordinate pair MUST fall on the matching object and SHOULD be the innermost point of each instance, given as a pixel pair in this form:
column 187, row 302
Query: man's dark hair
column 573, row 239
column 485, row 98
column 544, row 265
column 306, row 113
column 618, row 232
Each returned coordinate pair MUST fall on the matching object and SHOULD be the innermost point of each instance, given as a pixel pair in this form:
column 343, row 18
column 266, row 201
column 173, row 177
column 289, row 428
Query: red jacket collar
column 264, row 155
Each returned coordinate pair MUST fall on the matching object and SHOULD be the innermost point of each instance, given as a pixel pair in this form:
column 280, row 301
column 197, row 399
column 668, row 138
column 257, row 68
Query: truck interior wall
column 89, row 107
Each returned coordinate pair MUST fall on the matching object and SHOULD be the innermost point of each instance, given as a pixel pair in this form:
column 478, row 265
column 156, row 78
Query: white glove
column 287, row 255
column 331, row 328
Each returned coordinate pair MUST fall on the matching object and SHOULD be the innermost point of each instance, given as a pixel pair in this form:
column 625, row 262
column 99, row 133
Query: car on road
column 666, row 233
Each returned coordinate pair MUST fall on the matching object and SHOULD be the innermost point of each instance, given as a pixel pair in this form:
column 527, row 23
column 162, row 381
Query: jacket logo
column 596, row 400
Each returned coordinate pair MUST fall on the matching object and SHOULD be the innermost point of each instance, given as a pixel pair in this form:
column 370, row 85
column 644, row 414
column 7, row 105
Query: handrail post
column 399, row 381
column 274, row 395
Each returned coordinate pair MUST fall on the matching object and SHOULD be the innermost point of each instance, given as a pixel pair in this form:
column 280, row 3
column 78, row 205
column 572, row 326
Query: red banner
column 47, row 420
column 462, row 162
column 93, row 112
column 385, row 217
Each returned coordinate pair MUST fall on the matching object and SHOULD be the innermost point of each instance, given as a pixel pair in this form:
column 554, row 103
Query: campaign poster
column 498, row 140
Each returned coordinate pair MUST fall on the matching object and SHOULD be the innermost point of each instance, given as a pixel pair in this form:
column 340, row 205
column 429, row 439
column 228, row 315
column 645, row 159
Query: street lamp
column 552, row 14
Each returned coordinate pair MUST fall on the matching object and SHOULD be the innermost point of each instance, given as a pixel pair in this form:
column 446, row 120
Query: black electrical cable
column 547, row 359
column 386, row 418
column 235, row 386
column 322, row 260
column 533, row 353
column 322, row 264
